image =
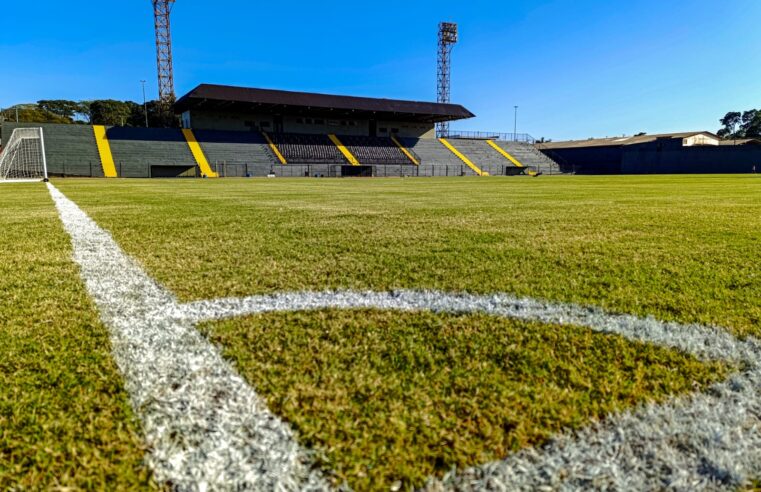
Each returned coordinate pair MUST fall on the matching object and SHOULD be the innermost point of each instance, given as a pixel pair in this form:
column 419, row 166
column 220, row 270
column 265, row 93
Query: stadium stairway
column 486, row 157
column 157, row 152
column 237, row 153
column 464, row 158
column 433, row 153
column 529, row 156
column 70, row 150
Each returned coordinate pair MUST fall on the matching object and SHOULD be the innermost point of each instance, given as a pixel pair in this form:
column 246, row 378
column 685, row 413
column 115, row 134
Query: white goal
column 23, row 156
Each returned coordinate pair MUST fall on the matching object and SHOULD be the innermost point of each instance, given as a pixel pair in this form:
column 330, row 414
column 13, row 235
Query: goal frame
column 45, row 178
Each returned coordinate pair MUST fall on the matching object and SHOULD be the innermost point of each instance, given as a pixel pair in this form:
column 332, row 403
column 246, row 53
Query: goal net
column 23, row 156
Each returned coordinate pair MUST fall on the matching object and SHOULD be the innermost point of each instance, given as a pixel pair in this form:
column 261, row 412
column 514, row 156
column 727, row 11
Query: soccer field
column 381, row 334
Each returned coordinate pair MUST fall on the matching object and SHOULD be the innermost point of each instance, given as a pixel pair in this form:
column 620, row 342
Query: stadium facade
column 238, row 131
column 217, row 107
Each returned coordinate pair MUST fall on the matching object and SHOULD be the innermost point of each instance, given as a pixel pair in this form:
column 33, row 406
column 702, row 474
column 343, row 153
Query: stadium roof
column 620, row 141
column 244, row 99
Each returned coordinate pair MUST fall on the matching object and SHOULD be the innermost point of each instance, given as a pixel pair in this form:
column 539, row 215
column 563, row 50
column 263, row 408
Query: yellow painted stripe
column 349, row 156
column 405, row 151
column 504, row 153
column 275, row 150
column 462, row 157
column 104, row 151
column 198, row 155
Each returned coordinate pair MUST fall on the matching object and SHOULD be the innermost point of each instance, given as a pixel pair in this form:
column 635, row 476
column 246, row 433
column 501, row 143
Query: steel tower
column 161, row 12
column 447, row 40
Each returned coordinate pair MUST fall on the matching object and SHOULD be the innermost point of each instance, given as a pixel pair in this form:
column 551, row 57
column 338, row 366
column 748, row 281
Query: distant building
column 669, row 153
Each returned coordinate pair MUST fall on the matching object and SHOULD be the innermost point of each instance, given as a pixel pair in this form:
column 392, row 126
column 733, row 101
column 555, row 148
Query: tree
column 746, row 124
column 110, row 112
column 32, row 113
column 60, row 107
column 730, row 124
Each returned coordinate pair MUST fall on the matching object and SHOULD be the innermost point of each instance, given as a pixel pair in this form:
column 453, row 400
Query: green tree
column 110, row 112
column 730, row 124
column 60, row 107
column 32, row 113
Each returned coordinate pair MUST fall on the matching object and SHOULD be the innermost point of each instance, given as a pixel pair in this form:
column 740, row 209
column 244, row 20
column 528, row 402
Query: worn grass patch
column 390, row 398
column 682, row 248
column 65, row 423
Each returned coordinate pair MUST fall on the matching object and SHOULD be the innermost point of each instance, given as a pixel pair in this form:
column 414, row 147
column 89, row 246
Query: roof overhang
column 221, row 98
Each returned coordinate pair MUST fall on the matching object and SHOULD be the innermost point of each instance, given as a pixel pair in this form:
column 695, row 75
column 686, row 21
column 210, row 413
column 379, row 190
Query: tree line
column 108, row 112
column 745, row 124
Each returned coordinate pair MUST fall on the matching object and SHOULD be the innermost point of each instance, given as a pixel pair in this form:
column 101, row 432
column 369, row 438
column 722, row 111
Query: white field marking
column 701, row 341
column 707, row 441
column 204, row 426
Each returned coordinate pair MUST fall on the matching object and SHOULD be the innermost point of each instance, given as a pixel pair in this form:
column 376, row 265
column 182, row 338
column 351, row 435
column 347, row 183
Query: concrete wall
column 588, row 160
column 649, row 159
column 214, row 120
column 660, row 157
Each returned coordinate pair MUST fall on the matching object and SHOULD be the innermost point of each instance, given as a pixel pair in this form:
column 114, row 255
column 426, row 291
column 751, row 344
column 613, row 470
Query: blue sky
column 576, row 68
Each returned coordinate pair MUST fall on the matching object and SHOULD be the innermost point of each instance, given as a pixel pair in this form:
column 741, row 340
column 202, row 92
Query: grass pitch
column 65, row 423
column 679, row 248
column 389, row 399
column 429, row 391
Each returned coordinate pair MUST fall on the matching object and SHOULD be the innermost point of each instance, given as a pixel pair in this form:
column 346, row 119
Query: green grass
column 391, row 398
column 681, row 248
column 65, row 423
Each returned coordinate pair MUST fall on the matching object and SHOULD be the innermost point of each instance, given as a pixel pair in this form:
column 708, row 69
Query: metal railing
column 476, row 135
column 239, row 170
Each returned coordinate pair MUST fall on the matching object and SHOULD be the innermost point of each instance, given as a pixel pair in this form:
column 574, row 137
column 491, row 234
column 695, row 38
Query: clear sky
column 576, row 68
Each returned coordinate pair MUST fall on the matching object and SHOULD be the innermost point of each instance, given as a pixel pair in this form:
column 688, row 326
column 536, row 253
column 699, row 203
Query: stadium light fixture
column 145, row 104
column 515, row 124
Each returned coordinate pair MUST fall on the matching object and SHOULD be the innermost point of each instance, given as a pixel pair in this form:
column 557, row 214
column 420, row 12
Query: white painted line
column 207, row 428
column 204, row 426
column 700, row 341
column 708, row 441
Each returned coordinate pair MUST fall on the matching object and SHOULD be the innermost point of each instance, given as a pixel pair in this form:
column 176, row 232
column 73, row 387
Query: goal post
column 23, row 156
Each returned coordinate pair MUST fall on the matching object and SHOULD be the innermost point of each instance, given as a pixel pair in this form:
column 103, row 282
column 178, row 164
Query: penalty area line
column 205, row 427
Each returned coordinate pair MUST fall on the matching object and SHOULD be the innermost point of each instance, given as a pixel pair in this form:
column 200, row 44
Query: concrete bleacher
column 70, row 150
column 530, row 156
column 485, row 156
column 432, row 153
column 224, row 148
column 375, row 150
column 140, row 152
column 145, row 152
column 307, row 149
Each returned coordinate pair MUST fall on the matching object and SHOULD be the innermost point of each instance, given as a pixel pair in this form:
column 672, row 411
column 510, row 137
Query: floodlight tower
column 447, row 40
column 161, row 12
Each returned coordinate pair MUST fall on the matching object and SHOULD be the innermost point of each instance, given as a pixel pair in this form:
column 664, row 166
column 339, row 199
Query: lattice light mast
column 447, row 40
column 162, row 10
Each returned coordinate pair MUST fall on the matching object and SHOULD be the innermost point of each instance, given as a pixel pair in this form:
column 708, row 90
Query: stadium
column 246, row 288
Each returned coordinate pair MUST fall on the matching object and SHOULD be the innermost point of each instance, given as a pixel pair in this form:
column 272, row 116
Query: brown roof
column 246, row 99
column 741, row 141
column 620, row 141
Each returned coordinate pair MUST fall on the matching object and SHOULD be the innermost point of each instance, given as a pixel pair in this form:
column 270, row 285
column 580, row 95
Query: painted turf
column 206, row 428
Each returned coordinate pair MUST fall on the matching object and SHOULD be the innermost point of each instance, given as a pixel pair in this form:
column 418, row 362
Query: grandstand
column 235, row 131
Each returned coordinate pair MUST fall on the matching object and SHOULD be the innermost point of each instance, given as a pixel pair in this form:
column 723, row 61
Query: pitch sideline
column 206, row 427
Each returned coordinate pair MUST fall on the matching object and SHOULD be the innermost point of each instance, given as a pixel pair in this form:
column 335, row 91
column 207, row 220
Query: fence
column 241, row 170
column 510, row 137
